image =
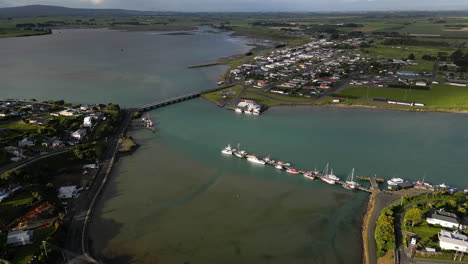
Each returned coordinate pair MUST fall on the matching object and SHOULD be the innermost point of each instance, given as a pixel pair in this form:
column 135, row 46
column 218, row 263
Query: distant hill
column 46, row 10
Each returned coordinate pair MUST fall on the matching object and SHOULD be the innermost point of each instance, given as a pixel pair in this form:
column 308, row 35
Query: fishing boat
column 238, row 110
column 395, row 181
column 350, row 184
column 268, row 160
column 292, row 171
column 284, row 164
column 254, row 159
column 309, row 175
column 228, row 150
column 239, row 153
column 279, row 167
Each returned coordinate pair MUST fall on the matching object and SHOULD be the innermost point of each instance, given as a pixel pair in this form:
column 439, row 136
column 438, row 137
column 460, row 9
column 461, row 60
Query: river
column 179, row 200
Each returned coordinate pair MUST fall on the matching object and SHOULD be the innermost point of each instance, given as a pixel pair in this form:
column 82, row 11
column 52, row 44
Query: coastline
column 366, row 225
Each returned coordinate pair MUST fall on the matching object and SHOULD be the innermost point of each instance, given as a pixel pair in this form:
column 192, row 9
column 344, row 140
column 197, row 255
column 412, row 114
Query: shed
column 67, row 192
column 20, row 237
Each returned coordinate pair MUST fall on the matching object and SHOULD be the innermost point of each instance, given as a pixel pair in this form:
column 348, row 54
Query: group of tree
column 385, row 232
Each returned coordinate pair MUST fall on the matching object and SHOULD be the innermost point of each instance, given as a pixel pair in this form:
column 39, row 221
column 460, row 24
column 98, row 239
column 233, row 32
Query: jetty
column 179, row 99
column 307, row 174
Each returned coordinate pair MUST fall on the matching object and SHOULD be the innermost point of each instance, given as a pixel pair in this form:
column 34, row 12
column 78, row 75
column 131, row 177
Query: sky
column 252, row 5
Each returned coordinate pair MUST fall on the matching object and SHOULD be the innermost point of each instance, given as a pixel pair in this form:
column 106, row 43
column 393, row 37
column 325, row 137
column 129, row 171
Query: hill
column 47, row 10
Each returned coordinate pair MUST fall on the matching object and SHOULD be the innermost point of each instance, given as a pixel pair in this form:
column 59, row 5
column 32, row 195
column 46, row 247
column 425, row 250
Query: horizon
column 249, row 6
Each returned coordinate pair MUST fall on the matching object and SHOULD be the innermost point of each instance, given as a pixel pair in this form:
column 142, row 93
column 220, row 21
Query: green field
column 19, row 126
column 216, row 96
column 440, row 96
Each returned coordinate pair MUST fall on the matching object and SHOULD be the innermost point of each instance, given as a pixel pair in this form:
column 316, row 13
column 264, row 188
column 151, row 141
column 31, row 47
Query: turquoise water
column 179, row 200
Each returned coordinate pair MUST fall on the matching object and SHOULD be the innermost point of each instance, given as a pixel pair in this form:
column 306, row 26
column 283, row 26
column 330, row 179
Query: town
column 50, row 153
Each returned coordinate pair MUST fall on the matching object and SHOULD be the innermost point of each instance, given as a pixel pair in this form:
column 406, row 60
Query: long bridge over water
column 180, row 98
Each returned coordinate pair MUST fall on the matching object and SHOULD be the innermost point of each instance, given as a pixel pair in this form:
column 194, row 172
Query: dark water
column 178, row 200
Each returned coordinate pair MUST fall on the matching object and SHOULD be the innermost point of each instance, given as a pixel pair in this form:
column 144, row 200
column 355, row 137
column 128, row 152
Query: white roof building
column 79, row 134
column 88, row 121
column 26, row 142
column 453, row 241
column 67, row 192
column 20, row 237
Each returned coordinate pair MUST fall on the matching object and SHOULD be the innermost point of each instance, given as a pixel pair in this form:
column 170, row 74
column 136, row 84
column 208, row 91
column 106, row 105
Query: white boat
column 395, row 181
column 227, row 150
column 293, row 171
column 329, row 178
column 465, row 191
column 238, row 110
column 239, row 153
column 284, row 164
column 256, row 113
column 443, row 186
column 350, row 183
column 254, row 159
column 279, row 167
column 309, row 175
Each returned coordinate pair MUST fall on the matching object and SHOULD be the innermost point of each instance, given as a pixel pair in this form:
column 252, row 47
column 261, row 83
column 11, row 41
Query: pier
column 179, row 99
column 307, row 174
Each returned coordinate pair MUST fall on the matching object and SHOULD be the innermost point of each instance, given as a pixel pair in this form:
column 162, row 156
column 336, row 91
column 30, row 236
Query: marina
column 325, row 176
column 350, row 183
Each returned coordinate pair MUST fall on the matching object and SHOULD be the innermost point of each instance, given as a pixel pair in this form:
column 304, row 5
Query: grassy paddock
column 440, row 96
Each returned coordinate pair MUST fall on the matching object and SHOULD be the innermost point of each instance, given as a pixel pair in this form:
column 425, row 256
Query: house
column 20, row 238
column 444, row 219
column 52, row 143
column 67, row 112
column 67, row 192
column 26, row 142
column 79, row 134
column 4, row 194
column 453, row 241
column 39, row 121
column 88, row 121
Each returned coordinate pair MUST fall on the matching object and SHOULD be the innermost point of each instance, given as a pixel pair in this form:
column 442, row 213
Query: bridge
column 180, row 98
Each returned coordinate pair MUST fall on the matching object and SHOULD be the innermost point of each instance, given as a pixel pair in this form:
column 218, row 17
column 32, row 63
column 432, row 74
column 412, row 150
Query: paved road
column 20, row 164
column 77, row 236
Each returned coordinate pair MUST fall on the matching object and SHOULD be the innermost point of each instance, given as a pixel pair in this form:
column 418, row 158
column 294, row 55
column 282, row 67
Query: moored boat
column 284, row 164
column 309, row 175
column 254, row 159
column 227, row 150
column 395, row 181
column 291, row 170
column 279, row 167
column 350, row 184
column 329, row 178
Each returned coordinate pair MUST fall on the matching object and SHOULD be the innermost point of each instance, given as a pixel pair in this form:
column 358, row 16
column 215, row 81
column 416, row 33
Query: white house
column 67, row 192
column 67, row 112
column 88, row 121
column 26, row 142
column 445, row 219
column 79, row 134
column 20, row 238
column 453, row 241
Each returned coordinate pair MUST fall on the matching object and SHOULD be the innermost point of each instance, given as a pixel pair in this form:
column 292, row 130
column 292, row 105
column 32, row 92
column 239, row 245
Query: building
column 26, row 142
column 20, row 238
column 453, row 241
column 79, row 134
column 67, row 192
column 444, row 219
column 88, row 121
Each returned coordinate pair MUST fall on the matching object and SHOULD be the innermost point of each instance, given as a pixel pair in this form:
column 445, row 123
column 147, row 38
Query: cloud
column 97, row 2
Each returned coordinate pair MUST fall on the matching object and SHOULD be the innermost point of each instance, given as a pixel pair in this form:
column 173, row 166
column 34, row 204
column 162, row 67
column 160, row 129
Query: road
column 77, row 236
column 20, row 164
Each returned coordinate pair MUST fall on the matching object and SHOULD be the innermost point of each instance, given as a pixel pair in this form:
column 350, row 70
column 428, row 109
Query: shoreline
column 366, row 225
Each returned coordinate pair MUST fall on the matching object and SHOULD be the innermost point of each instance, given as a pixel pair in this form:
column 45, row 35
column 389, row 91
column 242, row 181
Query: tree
column 411, row 57
column 415, row 216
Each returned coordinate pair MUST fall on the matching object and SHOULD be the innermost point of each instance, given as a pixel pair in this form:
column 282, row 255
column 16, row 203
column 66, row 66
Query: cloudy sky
column 253, row 5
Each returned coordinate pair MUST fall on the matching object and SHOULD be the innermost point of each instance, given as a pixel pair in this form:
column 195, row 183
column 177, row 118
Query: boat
column 239, row 153
column 465, row 191
column 329, row 178
column 238, row 110
column 268, row 160
column 227, row 150
column 293, row 171
column 256, row 113
column 254, row 159
column 443, row 186
column 309, row 175
column 395, row 181
column 350, row 183
column 279, row 167
column 284, row 164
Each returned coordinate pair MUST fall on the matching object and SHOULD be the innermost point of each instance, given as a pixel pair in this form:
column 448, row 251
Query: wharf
column 313, row 174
